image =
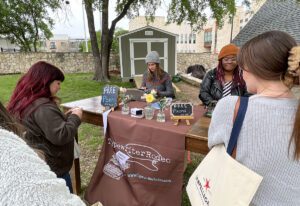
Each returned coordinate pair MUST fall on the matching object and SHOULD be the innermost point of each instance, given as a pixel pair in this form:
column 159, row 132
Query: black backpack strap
column 237, row 125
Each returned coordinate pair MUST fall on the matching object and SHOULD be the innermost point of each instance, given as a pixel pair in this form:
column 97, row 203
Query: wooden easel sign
column 110, row 96
column 181, row 111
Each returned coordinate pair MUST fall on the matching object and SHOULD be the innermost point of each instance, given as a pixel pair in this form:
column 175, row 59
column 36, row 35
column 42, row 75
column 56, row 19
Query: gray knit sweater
column 26, row 180
column 263, row 145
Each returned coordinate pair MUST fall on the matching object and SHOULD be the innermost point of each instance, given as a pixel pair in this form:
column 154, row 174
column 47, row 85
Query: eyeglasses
column 226, row 60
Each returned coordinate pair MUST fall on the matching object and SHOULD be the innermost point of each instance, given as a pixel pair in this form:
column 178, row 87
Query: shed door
column 139, row 48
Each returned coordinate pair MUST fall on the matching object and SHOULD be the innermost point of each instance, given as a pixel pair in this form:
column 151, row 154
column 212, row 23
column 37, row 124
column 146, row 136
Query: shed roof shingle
column 273, row 15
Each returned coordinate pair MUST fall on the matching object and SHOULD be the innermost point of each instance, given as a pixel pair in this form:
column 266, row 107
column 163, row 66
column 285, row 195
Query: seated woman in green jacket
column 156, row 78
column 34, row 104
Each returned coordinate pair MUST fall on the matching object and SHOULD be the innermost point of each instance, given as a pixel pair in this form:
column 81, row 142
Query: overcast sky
column 74, row 27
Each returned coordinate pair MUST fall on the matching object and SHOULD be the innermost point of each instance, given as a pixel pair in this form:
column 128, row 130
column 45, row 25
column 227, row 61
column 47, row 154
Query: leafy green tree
column 26, row 22
column 123, row 7
column 115, row 43
column 192, row 11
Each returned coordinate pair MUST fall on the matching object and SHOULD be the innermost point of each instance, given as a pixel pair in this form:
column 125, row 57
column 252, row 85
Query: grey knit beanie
column 152, row 57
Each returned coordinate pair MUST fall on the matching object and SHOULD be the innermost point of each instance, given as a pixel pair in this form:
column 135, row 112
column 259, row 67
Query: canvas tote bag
column 220, row 180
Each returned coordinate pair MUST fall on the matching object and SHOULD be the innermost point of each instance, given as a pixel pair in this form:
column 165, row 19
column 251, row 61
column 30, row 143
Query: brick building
column 60, row 43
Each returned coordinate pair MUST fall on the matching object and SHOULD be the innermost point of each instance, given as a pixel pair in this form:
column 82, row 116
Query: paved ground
column 188, row 92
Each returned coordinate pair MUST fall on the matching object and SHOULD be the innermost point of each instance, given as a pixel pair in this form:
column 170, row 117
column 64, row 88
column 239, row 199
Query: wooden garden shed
column 135, row 45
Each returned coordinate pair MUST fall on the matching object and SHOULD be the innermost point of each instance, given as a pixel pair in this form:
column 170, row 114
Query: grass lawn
column 7, row 85
column 80, row 86
column 75, row 86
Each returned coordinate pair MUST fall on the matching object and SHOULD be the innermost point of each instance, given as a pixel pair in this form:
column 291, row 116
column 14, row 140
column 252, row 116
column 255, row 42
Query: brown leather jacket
column 49, row 130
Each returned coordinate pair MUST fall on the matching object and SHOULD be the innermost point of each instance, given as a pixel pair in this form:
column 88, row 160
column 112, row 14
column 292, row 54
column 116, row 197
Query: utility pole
column 231, row 20
column 84, row 29
column 100, row 16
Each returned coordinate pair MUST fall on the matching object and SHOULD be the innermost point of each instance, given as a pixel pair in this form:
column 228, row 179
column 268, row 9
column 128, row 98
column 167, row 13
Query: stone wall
column 207, row 60
column 68, row 62
column 83, row 62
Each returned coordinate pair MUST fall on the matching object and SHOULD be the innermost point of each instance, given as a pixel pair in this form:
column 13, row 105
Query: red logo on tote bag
column 207, row 184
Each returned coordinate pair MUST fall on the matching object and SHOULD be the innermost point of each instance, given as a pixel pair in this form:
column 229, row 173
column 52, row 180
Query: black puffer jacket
column 212, row 89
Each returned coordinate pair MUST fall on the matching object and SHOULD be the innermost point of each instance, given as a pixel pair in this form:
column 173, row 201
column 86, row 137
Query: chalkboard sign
column 182, row 109
column 110, row 96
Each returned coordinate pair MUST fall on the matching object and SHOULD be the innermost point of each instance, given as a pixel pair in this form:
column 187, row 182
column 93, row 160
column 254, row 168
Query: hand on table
column 76, row 110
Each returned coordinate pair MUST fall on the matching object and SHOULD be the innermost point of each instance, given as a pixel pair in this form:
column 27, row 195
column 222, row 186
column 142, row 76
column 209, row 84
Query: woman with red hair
column 224, row 80
column 34, row 104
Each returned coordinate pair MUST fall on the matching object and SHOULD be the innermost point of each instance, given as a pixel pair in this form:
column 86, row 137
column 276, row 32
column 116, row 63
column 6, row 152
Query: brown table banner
column 141, row 162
